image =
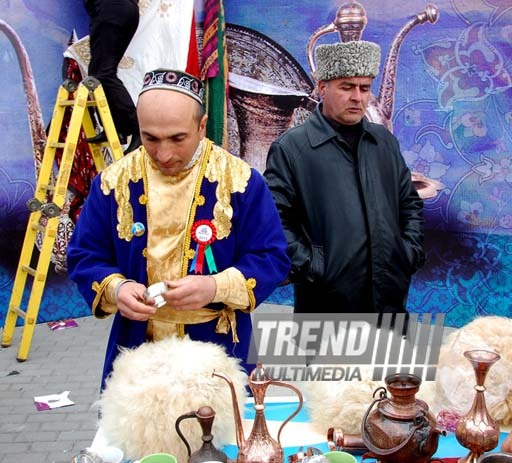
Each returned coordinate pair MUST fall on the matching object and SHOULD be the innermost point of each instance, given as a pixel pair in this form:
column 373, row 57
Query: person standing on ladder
column 113, row 24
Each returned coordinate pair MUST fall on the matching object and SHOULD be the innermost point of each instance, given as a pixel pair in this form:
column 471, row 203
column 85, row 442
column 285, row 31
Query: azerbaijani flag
column 193, row 54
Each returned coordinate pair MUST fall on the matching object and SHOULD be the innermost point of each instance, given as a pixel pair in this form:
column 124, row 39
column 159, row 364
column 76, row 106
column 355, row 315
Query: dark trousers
column 112, row 26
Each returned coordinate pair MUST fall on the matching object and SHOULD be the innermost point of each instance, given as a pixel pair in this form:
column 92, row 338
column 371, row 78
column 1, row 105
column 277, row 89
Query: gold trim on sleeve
column 99, row 289
column 250, row 284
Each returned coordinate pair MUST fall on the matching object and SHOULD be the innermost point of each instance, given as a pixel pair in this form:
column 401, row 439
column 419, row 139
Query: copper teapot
column 401, row 429
column 259, row 447
column 208, row 452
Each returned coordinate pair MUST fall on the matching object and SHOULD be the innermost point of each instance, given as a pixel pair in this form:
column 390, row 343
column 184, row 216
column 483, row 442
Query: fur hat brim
column 347, row 59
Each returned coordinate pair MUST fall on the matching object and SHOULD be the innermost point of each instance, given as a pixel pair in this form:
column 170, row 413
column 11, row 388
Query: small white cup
column 155, row 291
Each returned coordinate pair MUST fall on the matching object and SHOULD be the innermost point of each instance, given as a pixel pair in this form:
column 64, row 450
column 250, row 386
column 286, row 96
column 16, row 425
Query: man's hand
column 130, row 302
column 191, row 292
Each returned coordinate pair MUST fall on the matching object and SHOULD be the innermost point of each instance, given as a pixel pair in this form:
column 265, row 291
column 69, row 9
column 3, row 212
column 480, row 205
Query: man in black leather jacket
column 351, row 214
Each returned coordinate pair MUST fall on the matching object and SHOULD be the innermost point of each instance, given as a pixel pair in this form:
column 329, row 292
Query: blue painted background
column 452, row 115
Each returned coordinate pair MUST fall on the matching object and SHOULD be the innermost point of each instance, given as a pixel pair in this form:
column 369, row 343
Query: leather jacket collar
column 320, row 131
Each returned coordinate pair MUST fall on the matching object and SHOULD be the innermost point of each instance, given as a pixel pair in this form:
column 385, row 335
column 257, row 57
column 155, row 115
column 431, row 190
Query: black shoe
column 98, row 138
column 102, row 138
column 135, row 142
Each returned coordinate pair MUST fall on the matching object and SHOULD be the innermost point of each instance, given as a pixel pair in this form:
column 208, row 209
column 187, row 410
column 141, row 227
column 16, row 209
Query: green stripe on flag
column 216, row 128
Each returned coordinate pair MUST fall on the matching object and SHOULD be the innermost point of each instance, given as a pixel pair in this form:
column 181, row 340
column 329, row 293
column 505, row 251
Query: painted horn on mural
column 39, row 139
column 35, row 118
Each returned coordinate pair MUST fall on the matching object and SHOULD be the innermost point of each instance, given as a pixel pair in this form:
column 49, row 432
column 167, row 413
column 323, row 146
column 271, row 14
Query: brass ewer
column 208, row 452
column 259, row 447
column 477, row 430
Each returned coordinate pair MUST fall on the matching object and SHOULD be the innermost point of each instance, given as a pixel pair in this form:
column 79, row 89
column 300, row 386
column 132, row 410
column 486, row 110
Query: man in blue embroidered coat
column 183, row 211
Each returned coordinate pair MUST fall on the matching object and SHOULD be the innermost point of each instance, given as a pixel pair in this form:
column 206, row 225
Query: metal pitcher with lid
column 401, row 429
column 259, row 447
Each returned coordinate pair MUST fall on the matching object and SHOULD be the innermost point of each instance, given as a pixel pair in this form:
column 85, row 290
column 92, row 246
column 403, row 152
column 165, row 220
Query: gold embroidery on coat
column 232, row 176
column 197, row 201
column 117, row 177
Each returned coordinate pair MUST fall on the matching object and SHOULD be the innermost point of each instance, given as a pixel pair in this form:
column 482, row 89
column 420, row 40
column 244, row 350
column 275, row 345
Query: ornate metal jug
column 350, row 23
column 401, row 429
column 205, row 415
column 259, row 447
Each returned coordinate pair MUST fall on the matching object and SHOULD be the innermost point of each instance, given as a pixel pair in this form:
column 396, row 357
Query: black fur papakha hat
column 177, row 81
column 358, row 58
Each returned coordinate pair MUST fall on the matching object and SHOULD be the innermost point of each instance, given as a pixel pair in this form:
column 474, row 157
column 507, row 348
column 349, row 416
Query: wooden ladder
column 50, row 196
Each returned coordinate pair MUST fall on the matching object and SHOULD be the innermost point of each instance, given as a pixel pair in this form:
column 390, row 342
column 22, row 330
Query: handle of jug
column 297, row 410
column 419, row 422
column 178, row 430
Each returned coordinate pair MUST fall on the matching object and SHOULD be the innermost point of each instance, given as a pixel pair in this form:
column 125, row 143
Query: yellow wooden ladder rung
column 45, row 188
column 38, row 228
column 19, row 312
column 77, row 98
column 29, row 270
column 66, row 103
column 57, row 145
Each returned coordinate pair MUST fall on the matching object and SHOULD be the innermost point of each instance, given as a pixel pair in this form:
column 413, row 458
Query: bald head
column 171, row 127
column 164, row 102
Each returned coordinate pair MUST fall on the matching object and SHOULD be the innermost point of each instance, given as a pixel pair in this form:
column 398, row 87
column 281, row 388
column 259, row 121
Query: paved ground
column 63, row 360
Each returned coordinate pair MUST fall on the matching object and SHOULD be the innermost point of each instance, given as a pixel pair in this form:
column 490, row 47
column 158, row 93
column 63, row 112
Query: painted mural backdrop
column 449, row 101
column 453, row 116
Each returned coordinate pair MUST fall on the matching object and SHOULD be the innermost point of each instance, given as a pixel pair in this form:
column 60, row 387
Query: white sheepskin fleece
column 455, row 379
column 342, row 404
column 339, row 404
column 154, row 384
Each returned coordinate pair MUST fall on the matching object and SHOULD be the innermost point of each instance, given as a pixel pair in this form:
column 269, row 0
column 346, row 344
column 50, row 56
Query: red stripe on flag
column 193, row 53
